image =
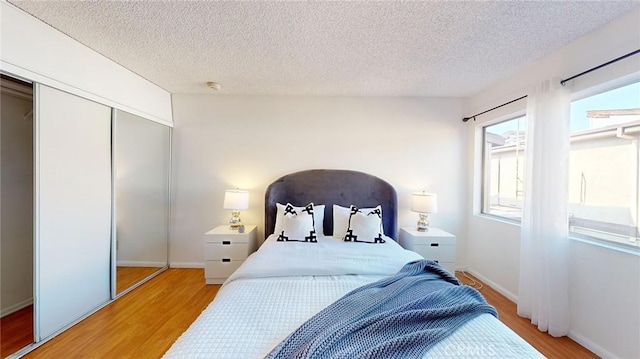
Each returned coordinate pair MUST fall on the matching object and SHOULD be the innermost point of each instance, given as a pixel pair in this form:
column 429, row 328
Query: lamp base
column 235, row 221
column 423, row 223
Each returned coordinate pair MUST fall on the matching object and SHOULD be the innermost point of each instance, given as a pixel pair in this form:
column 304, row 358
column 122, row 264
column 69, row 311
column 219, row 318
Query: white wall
column 223, row 142
column 33, row 50
column 16, row 173
column 604, row 283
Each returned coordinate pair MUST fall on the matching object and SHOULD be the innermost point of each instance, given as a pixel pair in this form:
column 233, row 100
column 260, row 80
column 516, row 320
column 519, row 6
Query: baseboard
column 593, row 347
column 585, row 342
column 16, row 307
column 512, row 297
column 185, row 265
column 140, row 264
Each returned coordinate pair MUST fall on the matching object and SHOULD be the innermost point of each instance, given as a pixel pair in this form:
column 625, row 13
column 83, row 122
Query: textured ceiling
column 326, row 48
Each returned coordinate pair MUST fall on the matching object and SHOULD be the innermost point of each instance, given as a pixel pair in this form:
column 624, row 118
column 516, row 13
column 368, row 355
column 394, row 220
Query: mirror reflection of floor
column 128, row 276
column 16, row 331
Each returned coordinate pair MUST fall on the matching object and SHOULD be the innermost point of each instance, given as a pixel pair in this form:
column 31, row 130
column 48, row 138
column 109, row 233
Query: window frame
column 584, row 89
column 581, row 95
column 484, row 186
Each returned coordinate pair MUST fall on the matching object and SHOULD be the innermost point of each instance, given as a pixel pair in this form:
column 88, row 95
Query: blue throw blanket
column 401, row 316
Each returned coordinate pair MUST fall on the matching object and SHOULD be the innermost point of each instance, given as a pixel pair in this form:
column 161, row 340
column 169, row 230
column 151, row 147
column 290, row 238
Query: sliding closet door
column 73, row 208
column 142, row 152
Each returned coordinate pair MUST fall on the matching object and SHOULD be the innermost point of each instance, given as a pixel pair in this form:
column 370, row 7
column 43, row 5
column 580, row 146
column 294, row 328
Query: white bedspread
column 284, row 284
column 329, row 256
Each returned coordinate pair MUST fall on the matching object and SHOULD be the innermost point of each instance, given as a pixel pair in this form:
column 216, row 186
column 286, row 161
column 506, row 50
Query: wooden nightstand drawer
column 213, row 237
column 435, row 244
column 227, row 249
column 438, row 253
column 439, row 241
column 220, row 270
column 449, row 266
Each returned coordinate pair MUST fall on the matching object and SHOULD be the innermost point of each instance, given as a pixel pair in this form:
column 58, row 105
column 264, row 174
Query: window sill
column 614, row 246
column 498, row 219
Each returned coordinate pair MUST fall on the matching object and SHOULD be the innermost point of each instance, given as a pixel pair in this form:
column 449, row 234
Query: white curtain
column 543, row 295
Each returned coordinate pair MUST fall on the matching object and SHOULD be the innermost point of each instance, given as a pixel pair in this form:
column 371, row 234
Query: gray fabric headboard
column 329, row 187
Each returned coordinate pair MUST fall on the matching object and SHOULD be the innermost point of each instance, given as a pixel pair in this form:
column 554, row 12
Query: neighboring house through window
column 604, row 180
column 503, row 162
column 603, row 171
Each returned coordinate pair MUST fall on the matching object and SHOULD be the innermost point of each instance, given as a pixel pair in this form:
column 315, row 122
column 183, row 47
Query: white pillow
column 297, row 225
column 365, row 225
column 341, row 219
column 318, row 217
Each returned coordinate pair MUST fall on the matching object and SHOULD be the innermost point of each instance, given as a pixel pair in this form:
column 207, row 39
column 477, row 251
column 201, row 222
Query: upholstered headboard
column 329, row 187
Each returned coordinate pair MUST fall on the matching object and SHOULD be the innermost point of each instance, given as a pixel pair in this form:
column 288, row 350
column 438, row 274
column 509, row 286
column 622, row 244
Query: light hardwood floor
column 145, row 322
column 141, row 324
column 16, row 331
column 547, row 345
column 128, row 276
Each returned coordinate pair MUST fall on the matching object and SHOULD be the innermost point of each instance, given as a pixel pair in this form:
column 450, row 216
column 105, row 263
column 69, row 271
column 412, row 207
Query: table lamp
column 236, row 200
column 424, row 203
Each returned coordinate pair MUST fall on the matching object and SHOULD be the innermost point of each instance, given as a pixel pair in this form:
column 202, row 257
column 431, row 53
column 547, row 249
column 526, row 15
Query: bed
column 285, row 283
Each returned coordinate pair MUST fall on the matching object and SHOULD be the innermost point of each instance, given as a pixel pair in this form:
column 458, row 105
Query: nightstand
column 434, row 244
column 225, row 250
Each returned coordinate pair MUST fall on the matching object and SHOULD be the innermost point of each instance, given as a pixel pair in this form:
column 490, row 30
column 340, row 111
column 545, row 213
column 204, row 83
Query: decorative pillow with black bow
column 297, row 224
column 365, row 226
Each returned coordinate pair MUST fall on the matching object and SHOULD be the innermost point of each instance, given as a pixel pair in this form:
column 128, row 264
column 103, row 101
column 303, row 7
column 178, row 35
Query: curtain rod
column 491, row 109
column 562, row 82
column 600, row 66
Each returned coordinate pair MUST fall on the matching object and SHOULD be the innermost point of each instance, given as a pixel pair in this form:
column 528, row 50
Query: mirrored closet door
column 84, row 208
column 141, row 171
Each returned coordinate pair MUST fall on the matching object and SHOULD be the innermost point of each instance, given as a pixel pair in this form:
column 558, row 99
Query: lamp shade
column 423, row 202
column 236, row 199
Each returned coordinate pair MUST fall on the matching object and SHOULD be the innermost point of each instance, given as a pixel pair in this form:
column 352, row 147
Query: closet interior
column 16, row 214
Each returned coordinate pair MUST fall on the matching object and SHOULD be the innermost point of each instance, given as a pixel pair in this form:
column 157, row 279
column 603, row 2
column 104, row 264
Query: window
column 503, row 163
column 604, row 176
column 603, row 171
